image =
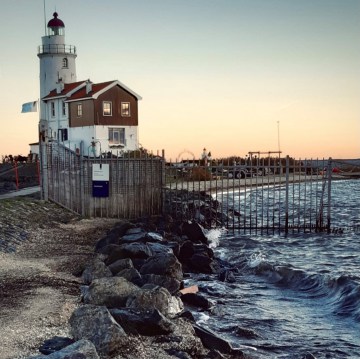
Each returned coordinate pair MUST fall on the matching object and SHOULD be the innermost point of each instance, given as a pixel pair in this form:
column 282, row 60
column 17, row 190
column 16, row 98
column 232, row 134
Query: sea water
column 291, row 296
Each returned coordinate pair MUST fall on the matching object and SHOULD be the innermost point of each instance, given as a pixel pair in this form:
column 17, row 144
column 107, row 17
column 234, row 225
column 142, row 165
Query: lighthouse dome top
column 55, row 25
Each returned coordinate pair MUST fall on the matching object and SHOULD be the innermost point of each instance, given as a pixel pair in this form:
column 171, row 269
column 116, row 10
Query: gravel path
column 43, row 251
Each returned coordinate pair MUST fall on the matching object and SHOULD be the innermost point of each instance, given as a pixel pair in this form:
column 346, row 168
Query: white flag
column 29, row 107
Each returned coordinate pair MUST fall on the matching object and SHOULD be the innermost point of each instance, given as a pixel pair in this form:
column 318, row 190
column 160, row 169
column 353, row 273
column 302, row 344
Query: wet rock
column 195, row 232
column 97, row 269
column 196, row 300
column 163, row 265
column 246, row 333
column 150, row 298
column 97, row 325
column 55, row 344
column 212, row 341
column 227, row 275
column 140, row 322
column 82, row 349
column 120, row 264
column 111, row 292
column 154, row 237
column 171, row 284
column 202, row 263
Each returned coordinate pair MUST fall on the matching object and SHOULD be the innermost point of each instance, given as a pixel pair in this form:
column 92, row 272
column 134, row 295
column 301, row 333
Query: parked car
column 238, row 173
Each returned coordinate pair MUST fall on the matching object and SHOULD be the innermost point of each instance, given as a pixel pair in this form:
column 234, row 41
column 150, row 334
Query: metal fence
column 264, row 194
column 135, row 183
column 255, row 194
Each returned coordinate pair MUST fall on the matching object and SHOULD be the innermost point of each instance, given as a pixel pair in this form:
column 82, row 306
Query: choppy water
column 292, row 295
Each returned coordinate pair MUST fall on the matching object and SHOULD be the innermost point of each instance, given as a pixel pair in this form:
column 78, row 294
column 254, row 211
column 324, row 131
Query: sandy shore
column 39, row 281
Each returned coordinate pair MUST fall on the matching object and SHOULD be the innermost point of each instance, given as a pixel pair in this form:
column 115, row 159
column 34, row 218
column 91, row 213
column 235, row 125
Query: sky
column 231, row 76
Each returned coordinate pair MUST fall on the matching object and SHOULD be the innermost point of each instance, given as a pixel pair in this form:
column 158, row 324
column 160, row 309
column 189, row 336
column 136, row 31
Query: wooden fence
column 134, row 185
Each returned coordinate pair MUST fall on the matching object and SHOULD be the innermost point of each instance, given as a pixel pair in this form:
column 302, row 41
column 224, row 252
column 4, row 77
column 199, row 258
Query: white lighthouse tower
column 57, row 62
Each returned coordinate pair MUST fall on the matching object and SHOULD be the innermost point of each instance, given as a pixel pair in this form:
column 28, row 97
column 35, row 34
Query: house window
column 125, row 109
column 79, row 110
column 107, row 108
column 52, row 109
column 65, row 63
column 63, row 134
column 64, row 108
column 117, row 136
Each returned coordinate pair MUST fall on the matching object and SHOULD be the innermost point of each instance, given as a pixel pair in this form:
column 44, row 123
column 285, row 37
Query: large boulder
column 132, row 275
column 142, row 322
column 171, row 284
column 120, row 264
column 82, row 349
column 155, row 297
column 202, row 263
column 129, row 250
column 196, row 300
column 163, row 264
column 111, row 292
column 96, row 324
column 194, row 231
column 212, row 341
column 55, row 344
column 97, row 269
column 114, row 235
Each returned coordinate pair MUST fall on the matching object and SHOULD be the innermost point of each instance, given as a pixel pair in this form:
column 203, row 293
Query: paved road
column 21, row 192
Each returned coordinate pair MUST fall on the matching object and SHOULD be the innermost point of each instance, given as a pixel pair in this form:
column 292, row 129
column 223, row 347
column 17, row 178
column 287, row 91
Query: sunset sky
column 232, row 76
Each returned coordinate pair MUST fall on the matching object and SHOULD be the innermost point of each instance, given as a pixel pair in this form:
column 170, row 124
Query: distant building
column 97, row 117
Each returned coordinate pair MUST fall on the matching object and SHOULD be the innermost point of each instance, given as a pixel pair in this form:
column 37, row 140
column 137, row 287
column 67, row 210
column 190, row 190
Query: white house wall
column 100, row 135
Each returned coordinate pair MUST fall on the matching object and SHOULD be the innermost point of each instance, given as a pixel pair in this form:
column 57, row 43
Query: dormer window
column 65, row 63
column 107, row 108
column 125, row 109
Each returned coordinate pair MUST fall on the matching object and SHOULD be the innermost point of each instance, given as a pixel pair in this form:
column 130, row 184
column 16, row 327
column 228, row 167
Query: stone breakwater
column 133, row 300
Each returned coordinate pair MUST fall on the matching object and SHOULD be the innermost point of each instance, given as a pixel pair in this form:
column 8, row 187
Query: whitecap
column 213, row 236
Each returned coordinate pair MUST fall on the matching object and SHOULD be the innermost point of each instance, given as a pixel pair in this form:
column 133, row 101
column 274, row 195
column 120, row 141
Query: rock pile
column 134, row 301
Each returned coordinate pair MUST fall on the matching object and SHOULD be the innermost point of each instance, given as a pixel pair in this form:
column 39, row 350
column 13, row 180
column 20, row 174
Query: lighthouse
column 57, row 62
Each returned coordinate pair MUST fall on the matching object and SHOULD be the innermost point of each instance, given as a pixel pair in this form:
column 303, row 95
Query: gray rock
column 97, row 269
column 120, row 264
column 82, row 349
column 95, row 323
column 156, row 298
column 111, row 292
column 132, row 275
column 129, row 250
column 162, row 264
column 141, row 322
column 171, row 284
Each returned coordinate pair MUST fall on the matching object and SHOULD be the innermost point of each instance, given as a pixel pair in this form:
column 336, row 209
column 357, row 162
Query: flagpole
column 44, row 17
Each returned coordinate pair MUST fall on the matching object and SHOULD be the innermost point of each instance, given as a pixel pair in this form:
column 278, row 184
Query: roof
column 55, row 22
column 77, row 90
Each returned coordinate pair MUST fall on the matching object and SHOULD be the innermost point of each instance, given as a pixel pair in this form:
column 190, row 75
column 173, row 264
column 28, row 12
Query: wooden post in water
column 329, row 174
column 287, row 196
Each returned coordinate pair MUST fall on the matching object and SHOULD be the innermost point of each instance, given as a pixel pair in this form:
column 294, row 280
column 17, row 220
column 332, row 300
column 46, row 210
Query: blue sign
column 100, row 188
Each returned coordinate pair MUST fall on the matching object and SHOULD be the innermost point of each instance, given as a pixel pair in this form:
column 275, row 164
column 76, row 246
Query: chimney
column 88, row 86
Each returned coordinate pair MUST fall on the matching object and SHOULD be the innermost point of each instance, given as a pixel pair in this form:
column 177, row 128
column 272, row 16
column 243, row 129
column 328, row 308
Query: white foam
column 255, row 260
column 213, row 236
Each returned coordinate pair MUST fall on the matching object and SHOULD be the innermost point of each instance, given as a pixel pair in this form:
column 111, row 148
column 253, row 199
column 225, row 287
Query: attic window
column 125, row 109
column 79, row 109
column 107, row 108
column 65, row 63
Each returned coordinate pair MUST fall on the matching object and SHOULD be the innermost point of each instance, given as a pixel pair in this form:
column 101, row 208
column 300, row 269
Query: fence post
column 44, row 170
column 329, row 174
column 82, row 179
column 287, row 195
